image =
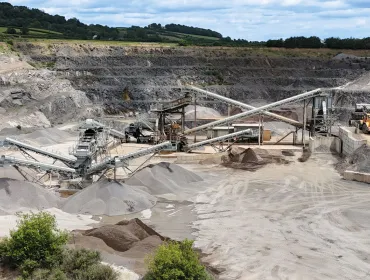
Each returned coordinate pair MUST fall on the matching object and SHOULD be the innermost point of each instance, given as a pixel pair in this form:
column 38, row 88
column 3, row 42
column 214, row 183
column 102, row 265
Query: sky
column 253, row 20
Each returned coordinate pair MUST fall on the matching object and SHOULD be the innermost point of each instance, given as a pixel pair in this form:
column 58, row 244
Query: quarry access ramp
column 256, row 111
column 23, row 146
column 244, row 106
column 121, row 160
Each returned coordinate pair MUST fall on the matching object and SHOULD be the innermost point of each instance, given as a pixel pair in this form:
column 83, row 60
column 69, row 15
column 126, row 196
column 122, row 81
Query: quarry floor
column 295, row 221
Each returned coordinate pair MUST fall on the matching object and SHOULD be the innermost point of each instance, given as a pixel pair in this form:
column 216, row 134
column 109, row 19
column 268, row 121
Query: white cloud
column 249, row 19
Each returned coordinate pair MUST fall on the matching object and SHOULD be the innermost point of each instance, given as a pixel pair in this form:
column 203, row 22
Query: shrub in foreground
column 36, row 249
column 176, row 261
column 36, row 243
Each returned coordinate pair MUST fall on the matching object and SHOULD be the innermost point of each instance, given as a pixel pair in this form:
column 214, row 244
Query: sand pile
column 251, row 159
column 109, row 198
column 126, row 243
column 164, row 178
column 124, row 235
column 18, row 195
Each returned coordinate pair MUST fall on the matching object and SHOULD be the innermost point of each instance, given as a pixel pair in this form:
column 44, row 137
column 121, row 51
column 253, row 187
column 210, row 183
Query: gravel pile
column 164, row 178
column 359, row 161
column 109, row 198
column 18, row 196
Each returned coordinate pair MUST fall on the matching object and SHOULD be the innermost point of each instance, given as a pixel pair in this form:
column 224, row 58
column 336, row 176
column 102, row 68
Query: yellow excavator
column 361, row 117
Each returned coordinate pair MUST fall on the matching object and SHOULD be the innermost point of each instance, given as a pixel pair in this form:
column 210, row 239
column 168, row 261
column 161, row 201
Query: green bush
column 84, row 264
column 46, row 274
column 36, row 249
column 96, row 272
column 176, row 261
column 35, row 243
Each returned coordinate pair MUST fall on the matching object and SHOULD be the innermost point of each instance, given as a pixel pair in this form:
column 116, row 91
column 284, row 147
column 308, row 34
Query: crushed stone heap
column 109, row 198
column 18, row 196
column 359, row 161
column 164, row 178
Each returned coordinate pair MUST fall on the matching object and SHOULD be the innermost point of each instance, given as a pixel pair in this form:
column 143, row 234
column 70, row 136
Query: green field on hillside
column 36, row 32
column 100, row 42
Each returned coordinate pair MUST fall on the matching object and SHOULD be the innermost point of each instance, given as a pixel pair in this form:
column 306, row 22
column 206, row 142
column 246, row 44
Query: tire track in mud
column 298, row 222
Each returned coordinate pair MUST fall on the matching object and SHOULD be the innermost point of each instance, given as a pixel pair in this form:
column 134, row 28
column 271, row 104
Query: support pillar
column 304, row 124
column 195, row 116
column 183, row 120
column 259, row 130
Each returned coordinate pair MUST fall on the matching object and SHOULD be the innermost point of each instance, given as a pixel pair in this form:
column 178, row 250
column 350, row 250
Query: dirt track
column 286, row 222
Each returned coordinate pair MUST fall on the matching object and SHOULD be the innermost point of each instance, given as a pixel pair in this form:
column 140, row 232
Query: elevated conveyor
column 120, row 160
column 66, row 160
column 256, row 111
column 246, row 106
column 217, row 139
column 7, row 160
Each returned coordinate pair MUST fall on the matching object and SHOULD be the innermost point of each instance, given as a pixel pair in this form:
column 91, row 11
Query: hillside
column 23, row 22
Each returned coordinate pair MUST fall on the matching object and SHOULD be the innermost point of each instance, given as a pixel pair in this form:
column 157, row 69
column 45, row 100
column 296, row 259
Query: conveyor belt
column 218, row 139
column 6, row 160
column 64, row 159
column 256, row 111
column 246, row 106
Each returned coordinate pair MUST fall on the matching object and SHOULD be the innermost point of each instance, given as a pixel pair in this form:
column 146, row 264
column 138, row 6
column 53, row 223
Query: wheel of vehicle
column 365, row 129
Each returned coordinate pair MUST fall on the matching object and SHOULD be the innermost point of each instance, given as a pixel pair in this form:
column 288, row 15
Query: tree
column 36, row 249
column 11, row 30
column 36, row 243
column 176, row 261
column 25, row 30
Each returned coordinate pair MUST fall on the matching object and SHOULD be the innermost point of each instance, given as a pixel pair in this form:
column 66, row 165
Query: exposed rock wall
column 98, row 75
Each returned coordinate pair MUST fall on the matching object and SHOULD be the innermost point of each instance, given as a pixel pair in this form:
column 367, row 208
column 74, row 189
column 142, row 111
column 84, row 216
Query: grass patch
column 99, row 42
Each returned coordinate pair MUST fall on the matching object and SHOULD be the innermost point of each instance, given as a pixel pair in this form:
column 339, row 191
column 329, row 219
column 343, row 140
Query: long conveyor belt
column 67, row 160
column 7, row 160
column 113, row 161
column 218, row 139
column 246, row 106
column 256, row 111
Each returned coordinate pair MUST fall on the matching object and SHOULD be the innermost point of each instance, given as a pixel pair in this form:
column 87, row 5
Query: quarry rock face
column 89, row 79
